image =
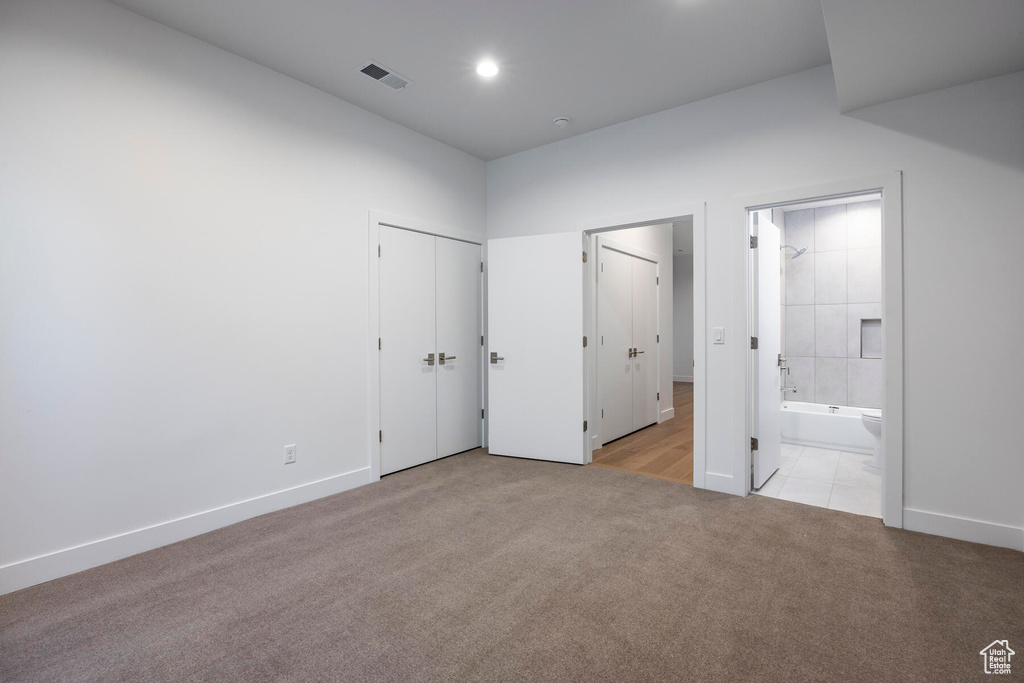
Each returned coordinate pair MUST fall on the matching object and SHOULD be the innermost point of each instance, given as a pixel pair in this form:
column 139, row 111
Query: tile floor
column 829, row 479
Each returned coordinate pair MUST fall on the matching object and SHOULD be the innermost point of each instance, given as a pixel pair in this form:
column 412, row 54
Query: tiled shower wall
column 833, row 356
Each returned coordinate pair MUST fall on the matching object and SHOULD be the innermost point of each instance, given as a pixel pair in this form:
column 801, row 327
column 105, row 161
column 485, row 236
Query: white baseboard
column 683, row 378
column 30, row 572
column 963, row 529
column 666, row 414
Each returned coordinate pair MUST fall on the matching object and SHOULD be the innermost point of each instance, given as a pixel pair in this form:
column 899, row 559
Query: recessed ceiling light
column 487, row 68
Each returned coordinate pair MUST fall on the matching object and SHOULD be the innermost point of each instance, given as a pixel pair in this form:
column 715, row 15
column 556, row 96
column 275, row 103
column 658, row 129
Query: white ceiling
column 598, row 62
column 884, row 50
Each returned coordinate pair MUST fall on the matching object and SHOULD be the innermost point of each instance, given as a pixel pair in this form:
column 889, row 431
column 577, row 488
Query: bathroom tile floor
column 836, row 480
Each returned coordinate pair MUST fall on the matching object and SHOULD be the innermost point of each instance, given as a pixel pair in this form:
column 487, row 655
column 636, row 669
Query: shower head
column 796, row 251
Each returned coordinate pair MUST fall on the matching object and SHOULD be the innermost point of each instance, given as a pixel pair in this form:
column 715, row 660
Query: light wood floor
column 663, row 450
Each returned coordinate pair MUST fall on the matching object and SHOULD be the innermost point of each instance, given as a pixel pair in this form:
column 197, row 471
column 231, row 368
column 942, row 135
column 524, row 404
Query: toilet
column 872, row 421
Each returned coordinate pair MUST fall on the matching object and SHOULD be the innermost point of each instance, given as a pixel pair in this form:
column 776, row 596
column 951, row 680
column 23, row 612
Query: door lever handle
column 495, row 357
column 636, row 353
column 441, row 358
column 632, row 352
column 429, row 359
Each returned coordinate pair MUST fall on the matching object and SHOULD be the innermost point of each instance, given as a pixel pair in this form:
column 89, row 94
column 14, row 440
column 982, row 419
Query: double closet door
column 627, row 355
column 430, row 389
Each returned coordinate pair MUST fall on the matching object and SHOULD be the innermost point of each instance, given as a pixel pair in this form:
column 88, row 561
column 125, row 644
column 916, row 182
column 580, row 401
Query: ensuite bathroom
column 831, row 361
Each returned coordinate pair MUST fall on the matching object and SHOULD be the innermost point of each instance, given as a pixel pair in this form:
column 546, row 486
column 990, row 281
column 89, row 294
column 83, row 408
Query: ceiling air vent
column 385, row 76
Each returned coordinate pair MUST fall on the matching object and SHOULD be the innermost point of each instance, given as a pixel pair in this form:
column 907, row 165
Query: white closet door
column 458, row 338
column 535, row 325
column 615, row 339
column 768, row 330
column 408, row 396
column 645, row 341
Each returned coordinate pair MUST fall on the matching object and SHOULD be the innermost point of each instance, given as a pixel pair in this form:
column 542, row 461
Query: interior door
column 408, row 397
column 458, row 345
column 535, row 340
column 768, row 260
column 615, row 339
column 645, row 344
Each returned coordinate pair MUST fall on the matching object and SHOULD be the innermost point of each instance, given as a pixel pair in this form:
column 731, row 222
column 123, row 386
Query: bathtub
column 811, row 424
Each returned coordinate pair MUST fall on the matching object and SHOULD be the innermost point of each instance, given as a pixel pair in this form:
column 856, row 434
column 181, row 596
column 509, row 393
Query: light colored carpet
column 486, row 568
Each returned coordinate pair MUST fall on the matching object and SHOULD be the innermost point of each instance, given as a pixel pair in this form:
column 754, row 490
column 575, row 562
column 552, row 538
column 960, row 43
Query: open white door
column 768, row 330
column 535, row 336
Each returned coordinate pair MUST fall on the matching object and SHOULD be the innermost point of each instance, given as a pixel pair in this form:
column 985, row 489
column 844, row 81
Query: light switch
column 719, row 334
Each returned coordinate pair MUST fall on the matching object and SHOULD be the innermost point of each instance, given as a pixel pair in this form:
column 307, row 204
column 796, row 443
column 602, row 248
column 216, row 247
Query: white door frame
column 377, row 219
column 891, row 187
column 595, row 226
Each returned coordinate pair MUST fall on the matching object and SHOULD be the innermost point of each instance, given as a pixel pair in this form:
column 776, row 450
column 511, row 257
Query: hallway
column 662, row 450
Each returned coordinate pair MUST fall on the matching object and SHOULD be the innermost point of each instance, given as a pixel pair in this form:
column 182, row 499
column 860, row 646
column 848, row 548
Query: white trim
column 30, row 572
column 375, row 220
column 590, row 228
column 891, row 187
column 666, row 414
column 683, row 378
column 963, row 529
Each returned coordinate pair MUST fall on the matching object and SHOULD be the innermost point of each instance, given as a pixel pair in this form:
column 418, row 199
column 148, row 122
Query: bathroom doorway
column 821, row 321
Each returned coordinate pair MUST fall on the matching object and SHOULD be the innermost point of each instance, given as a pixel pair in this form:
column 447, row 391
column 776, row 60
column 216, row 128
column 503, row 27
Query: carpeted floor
column 486, row 568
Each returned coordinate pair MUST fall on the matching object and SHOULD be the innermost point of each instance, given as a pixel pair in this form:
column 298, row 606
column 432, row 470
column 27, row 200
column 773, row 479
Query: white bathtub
column 813, row 424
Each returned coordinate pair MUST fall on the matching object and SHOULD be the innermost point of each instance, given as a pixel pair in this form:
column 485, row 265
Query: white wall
column 962, row 153
column 682, row 317
column 183, row 281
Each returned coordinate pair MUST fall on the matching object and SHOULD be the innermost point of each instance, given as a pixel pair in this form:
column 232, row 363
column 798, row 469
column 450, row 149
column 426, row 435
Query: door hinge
column 659, row 396
column 657, row 338
column 380, row 437
column 753, row 342
column 481, row 340
column 602, row 413
column 584, row 257
column 584, row 341
column 481, row 266
column 753, row 241
column 481, row 413
column 584, row 425
column 657, row 280
column 378, row 343
column 753, row 444
column 378, row 251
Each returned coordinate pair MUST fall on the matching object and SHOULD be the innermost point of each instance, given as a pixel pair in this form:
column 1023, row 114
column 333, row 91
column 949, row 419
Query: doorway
column 643, row 371
column 824, row 409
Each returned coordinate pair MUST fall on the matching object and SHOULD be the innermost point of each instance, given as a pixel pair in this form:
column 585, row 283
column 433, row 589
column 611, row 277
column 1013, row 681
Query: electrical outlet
column 289, row 454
